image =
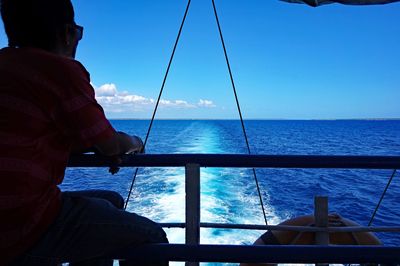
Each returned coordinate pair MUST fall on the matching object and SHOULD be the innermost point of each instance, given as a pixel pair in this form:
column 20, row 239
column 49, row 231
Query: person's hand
column 133, row 145
column 114, row 162
column 137, row 145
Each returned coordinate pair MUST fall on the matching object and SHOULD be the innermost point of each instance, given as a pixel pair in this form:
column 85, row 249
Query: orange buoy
column 276, row 237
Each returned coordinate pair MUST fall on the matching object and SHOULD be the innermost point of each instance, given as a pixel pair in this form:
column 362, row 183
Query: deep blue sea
column 230, row 195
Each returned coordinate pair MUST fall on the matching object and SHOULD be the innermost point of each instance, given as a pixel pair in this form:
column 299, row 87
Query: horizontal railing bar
column 241, row 160
column 259, row 254
column 290, row 227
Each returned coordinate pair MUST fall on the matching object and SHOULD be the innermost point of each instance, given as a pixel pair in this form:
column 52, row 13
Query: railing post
column 321, row 220
column 192, row 188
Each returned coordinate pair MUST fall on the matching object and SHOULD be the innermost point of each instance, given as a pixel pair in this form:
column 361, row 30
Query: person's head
column 44, row 24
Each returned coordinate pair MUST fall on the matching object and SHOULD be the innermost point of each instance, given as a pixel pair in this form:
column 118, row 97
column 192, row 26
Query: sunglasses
column 78, row 31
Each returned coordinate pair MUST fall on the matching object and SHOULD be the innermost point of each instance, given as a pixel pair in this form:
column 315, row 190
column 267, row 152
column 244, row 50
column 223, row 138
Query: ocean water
column 230, row 196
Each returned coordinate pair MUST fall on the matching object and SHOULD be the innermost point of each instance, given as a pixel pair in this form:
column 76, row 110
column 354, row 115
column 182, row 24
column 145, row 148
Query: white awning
column 345, row 2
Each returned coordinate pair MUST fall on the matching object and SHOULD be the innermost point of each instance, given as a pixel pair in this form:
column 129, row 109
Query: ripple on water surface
column 230, row 196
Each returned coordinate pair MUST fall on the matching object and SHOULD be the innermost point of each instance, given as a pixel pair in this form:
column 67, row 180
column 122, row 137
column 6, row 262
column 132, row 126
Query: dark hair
column 35, row 23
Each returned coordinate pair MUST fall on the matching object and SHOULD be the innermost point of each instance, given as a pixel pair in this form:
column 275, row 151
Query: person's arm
column 120, row 143
column 83, row 120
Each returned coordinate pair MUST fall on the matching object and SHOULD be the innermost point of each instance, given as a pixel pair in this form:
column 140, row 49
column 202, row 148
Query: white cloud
column 176, row 104
column 205, row 103
column 106, row 90
column 112, row 100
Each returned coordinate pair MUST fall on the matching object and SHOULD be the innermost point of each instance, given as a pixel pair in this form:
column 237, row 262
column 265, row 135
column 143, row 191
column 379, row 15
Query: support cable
column 382, row 196
column 159, row 97
column 238, row 106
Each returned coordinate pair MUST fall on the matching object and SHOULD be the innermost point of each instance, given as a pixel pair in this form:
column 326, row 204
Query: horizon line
column 269, row 119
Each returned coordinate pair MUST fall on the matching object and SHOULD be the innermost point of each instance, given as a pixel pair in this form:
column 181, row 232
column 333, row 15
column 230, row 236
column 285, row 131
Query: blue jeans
column 90, row 226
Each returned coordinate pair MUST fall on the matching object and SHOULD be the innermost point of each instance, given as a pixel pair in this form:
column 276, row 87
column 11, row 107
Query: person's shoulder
column 67, row 67
column 56, row 59
column 42, row 57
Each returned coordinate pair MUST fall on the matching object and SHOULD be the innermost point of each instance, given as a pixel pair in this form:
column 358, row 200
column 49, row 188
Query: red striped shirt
column 47, row 105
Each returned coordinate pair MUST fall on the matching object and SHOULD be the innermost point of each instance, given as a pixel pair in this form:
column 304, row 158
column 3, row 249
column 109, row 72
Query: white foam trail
column 227, row 195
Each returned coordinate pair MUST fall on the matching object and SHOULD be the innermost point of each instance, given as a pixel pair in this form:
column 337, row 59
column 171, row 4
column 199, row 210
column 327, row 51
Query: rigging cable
column 383, row 195
column 159, row 97
column 238, row 106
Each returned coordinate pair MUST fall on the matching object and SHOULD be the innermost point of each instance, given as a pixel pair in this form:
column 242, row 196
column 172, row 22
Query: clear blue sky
column 289, row 61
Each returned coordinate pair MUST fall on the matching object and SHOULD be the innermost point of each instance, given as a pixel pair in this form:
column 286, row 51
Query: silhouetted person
column 48, row 110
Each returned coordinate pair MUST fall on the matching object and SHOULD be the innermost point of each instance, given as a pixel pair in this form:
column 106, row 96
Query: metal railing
column 262, row 254
column 194, row 252
column 242, row 161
